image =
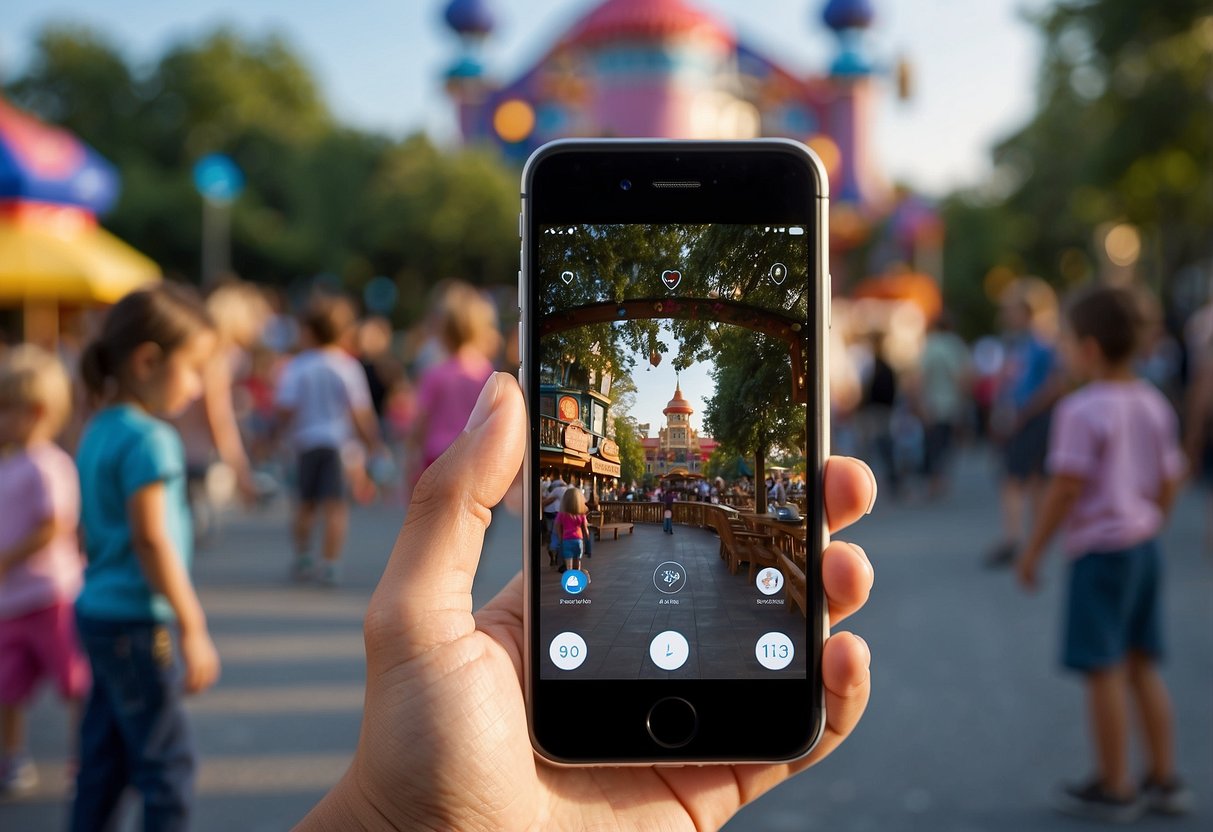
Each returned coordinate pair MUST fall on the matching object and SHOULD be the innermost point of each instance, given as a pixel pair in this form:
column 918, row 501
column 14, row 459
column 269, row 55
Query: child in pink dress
column 40, row 563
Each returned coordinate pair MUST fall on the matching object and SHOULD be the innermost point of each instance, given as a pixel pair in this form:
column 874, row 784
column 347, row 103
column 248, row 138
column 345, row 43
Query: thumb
column 424, row 598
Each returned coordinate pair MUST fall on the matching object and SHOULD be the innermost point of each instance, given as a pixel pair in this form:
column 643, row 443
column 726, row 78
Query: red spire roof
column 678, row 404
column 646, row 20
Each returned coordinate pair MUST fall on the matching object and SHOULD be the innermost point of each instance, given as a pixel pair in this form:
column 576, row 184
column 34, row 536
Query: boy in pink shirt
column 1115, row 466
column 40, row 564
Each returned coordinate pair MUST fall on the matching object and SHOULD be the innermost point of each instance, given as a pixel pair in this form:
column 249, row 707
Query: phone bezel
column 755, row 182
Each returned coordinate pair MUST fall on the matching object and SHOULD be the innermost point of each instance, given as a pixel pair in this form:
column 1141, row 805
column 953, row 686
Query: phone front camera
column 625, row 184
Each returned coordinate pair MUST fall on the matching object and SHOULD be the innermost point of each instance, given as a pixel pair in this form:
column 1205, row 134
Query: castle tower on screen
column 677, row 450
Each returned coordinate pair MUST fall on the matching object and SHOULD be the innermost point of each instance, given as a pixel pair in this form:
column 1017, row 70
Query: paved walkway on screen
column 722, row 616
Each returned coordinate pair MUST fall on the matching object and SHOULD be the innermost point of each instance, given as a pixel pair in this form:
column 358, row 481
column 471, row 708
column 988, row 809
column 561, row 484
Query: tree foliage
column 1123, row 132
column 320, row 198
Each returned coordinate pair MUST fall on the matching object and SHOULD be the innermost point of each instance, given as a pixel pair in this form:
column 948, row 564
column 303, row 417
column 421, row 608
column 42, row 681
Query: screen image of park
column 674, row 475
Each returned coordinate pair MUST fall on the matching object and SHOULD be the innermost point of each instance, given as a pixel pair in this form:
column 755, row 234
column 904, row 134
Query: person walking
column 40, row 564
column 323, row 399
column 667, row 523
column 572, row 529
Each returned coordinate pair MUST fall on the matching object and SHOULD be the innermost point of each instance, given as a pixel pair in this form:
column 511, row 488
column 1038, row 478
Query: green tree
column 750, row 412
column 1123, row 132
column 631, row 452
column 320, row 198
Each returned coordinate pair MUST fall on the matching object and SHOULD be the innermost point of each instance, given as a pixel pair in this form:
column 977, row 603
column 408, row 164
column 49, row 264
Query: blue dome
column 848, row 14
column 470, row 17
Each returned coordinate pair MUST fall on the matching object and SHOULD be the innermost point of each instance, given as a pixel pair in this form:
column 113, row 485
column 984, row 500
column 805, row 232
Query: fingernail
column 863, row 554
column 872, row 477
column 484, row 405
column 864, row 642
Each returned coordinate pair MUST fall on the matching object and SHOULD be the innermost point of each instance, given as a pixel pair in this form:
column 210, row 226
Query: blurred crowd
column 907, row 391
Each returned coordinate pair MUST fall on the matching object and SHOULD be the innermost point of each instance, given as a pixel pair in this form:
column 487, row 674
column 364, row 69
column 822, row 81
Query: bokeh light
column 1123, row 244
column 514, row 120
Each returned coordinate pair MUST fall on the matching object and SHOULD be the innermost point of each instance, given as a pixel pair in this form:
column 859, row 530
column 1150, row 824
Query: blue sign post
column 220, row 182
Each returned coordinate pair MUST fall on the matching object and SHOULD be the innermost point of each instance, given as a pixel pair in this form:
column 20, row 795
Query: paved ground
column 970, row 725
column 722, row 616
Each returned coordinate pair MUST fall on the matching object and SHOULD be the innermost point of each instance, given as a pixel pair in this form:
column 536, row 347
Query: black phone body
column 692, row 629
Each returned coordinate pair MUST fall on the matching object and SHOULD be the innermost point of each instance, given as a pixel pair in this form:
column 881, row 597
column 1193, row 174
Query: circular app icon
column 669, row 650
column 670, row 577
column 778, row 273
column 574, row 581
column 769, row 580
column 774, row 651
column 567, row 651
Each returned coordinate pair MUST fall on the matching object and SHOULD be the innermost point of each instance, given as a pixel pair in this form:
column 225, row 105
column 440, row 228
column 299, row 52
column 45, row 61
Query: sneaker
column 303, row 569
column 1170, row 798
column 330, row 574
column 17, row 775
column 1092, row 801
column 1001, row 556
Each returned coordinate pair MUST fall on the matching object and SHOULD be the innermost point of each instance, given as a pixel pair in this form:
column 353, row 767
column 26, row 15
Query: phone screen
column 674, row 473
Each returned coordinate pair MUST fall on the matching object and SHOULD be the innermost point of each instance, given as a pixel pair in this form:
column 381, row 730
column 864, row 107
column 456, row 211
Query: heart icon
column 567, row 277
column 671, row 278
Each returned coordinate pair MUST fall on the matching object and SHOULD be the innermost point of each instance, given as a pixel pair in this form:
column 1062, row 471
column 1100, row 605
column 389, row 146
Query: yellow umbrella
column 67, row 259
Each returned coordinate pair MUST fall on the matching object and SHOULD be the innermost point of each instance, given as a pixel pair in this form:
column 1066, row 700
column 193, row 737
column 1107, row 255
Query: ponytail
column 167, row 315
column 93, row 368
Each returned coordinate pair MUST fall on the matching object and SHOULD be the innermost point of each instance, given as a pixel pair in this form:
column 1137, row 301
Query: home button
column 672, row 722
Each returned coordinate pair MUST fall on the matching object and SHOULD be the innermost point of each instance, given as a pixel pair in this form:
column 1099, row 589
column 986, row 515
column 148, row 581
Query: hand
column 1025, row 571
column 247, row 486
column 444, row 740
column 201, row 660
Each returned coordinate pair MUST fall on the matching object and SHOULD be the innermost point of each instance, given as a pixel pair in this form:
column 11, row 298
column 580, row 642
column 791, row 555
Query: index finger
column 850, row 491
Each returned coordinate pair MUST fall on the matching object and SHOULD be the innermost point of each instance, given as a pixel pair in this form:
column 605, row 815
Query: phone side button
column 672, row 722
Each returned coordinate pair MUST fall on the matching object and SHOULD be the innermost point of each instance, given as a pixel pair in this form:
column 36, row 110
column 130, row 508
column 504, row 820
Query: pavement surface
column 649, row 583
column 971, row 723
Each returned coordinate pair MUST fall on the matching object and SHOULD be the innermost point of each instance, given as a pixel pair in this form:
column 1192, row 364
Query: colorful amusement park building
column 667, row 68
column 678, row 449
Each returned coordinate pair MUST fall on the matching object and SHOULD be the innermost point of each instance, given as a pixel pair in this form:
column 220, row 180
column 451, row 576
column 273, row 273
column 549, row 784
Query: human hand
column 201, row 660
column 246, row 486
column 444, row 741
column 1026, row 568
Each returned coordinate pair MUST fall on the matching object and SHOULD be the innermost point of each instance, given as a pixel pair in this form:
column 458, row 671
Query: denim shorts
column 1113, row 607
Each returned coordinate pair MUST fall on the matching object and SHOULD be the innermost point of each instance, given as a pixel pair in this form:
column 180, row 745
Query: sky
column 655, row 387
column 379, row 62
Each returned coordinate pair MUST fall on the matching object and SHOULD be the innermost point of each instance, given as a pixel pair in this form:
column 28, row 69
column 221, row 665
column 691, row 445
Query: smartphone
column 674, row 301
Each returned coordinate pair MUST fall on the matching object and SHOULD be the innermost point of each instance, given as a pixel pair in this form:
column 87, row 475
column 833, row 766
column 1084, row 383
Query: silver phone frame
column 824, row 325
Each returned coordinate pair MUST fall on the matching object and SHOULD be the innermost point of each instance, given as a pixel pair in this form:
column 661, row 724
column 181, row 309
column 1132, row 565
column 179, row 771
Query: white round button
column 567, row 651
column 774, row 651
column 669, row 650
column 769, row 580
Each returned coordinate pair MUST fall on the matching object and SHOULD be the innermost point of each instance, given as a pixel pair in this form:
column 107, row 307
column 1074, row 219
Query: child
column 447, row 391
column 40, row 566
column 323, row 396
column 572, row 528
column 147, row 364
column 1115, row 466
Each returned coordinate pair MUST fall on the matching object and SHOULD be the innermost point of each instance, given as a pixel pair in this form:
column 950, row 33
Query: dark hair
column 328, row 317
column 1112, row 316
column 167, row 315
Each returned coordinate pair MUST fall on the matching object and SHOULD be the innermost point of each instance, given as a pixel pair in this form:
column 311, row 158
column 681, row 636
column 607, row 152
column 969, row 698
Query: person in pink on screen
column 40, row 565
column 1115, row 466
column 446, row 392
